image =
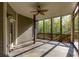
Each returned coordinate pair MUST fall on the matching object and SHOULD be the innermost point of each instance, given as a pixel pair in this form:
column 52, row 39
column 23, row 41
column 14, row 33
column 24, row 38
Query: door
column 11, row 33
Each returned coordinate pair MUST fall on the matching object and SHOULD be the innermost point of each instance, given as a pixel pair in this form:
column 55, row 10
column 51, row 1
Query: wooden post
column 34, row 18
column 78, row 32
column 72, row 28
column 61, row 25
column 43, row 29
column 51, row 30
column 78, row 29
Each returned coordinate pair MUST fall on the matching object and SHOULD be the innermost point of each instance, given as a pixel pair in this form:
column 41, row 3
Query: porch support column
column 51, row 30
column 34, row 19
column 43, row 29
column 5, row 38
column 78, row 29
column 72, row 28
column 61, row 25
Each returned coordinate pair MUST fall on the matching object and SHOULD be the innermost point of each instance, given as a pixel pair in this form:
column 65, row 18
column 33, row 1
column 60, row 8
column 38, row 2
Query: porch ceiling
column 54, row 8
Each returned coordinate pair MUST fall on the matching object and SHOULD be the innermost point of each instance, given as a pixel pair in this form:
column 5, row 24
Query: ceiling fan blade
column 42, row 13
column 33, row 11
column 37, row 13
column 44, row 10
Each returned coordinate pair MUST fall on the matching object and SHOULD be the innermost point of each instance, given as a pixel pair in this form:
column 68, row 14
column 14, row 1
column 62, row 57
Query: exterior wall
column 1, row 29
column 26, row 36
column 24, row 29
column 24, row 26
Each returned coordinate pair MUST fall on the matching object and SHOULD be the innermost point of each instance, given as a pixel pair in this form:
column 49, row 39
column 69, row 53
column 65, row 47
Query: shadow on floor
column 28, row 50
column 70, row 51
column 22, row 46
column 49, row 50
column 65, row 45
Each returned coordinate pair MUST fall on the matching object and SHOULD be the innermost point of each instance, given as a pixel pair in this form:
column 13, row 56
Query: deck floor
column 45, row 48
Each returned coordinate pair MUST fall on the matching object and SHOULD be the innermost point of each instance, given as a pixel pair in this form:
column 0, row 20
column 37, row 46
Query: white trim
column 76, row 9
column 16, row 28
column 5, row 38
column 78, row 34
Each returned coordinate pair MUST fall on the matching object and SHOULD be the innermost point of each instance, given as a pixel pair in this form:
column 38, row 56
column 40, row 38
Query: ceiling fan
column 39, row 10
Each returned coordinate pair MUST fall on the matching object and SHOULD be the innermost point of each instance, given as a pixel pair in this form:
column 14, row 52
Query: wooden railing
column 55, row 37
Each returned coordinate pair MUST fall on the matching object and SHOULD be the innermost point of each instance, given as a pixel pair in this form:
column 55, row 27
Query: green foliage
column 66, row 25
column 47, row 24
column 76, row 23
column 40, row 26
column 56, row 25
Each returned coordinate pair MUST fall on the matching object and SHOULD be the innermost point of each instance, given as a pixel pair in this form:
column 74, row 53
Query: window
column 40, row 26
column 76, row 31
column 66, row 24
column 76, row 24
column 56, row 25
column 47, row 26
